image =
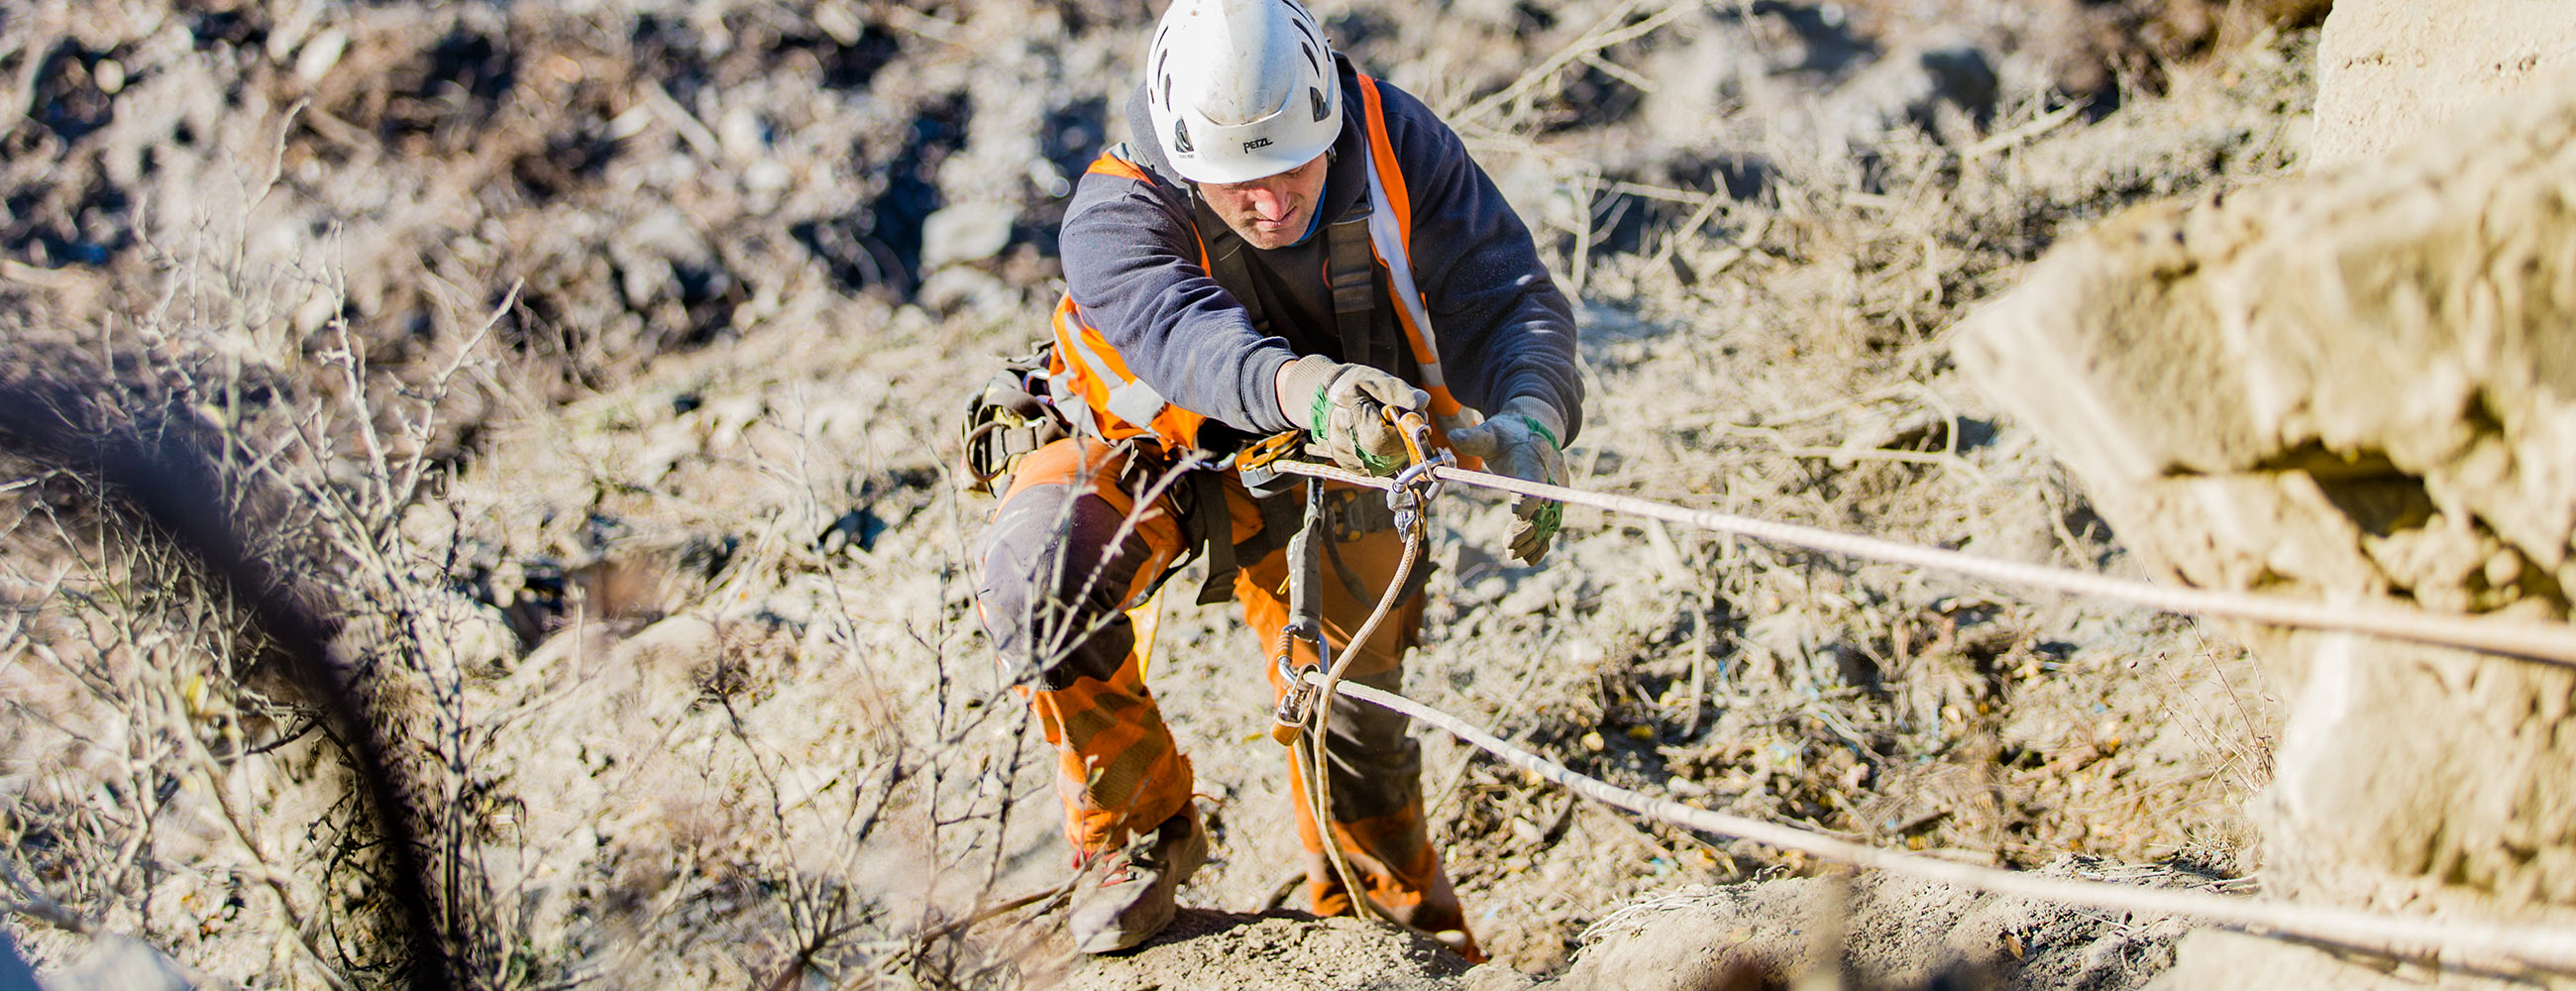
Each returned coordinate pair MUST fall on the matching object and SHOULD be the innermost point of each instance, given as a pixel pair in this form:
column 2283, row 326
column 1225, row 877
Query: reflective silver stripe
column 1399, row 269
column 1129, row 399
column 1137, row 403
column 1076, row 412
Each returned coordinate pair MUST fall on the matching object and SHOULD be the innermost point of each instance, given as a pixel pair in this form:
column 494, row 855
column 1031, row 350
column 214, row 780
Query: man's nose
column 1269, row 203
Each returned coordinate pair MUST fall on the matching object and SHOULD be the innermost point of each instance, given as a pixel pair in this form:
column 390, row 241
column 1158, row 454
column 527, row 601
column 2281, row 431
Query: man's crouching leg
column 1058, row 573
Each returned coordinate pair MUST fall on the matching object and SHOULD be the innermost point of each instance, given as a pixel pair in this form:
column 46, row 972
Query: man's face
column 1272, row 211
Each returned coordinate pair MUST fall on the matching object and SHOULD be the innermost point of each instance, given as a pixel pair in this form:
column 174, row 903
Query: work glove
column 1342, row 407
column 1520, row 440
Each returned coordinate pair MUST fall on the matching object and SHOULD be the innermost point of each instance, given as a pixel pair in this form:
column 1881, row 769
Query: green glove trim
column 1541, row 430
column 1549, row 518
column 1319, row 413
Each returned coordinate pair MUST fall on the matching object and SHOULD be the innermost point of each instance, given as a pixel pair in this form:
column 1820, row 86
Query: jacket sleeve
column 1132, row 263
column 1503, row 328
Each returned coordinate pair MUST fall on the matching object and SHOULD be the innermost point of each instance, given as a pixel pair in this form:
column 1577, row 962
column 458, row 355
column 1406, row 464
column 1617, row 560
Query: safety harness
column 1368, row 334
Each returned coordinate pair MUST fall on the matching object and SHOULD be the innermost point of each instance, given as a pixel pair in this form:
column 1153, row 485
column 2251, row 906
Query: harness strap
column 1209, row 527
column 1227, row 262
column 1362, row 321
column 1350, row 268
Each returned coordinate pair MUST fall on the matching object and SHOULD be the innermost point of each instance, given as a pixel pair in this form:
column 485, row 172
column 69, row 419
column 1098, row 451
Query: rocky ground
column 600, row 363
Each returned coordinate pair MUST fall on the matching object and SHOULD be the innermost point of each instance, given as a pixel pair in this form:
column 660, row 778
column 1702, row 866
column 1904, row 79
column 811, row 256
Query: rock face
column 2359, row 386
column 2391, row 71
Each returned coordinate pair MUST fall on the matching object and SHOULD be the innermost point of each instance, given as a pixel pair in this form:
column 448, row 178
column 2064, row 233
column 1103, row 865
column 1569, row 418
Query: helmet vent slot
column 1303, row 21
column 1317, row 95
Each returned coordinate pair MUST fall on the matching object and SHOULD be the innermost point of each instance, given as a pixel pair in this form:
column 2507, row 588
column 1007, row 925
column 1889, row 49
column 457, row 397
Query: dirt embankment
column 2353, row 386
column 604, row 360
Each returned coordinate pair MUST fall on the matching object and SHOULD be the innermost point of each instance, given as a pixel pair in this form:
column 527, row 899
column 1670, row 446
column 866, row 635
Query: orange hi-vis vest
column 1097, row 391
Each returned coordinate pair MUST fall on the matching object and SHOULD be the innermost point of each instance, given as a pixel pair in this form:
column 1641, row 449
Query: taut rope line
column 2458, row 942
column 2452, row 941
column 2552, row 643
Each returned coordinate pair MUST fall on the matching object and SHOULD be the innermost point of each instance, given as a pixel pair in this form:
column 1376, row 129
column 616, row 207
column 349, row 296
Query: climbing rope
column 2459, row 942
column 2553, row 643
column 1312, row 743
column 2473, row 943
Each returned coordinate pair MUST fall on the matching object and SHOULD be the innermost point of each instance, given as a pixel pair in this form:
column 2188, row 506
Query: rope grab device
column 1305, row 707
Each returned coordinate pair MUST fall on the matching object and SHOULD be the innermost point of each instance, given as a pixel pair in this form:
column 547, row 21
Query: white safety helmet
column 1241, row 89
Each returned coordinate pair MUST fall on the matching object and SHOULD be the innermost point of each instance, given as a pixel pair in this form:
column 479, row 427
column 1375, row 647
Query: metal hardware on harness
column 1006, row 420
column 1297, row 704
column 1252, row 464
column 1412, row 489
column 1305, row 621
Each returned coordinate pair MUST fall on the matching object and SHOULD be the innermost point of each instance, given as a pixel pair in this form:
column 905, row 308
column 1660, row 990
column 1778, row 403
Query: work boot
column 1124, row 897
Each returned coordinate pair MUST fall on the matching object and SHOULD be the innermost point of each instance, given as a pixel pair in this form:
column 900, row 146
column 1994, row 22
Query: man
column 1290, row 245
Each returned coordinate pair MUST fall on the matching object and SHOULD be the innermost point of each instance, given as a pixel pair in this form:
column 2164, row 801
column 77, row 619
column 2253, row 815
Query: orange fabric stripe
column 1176, row 427
column 1413, row 337
column 1442, row 403
column 1075, row 461
column 1070, row 329
column 1100, row 346
column 1112, row 165
column 1173, row 427
column 1383, row 151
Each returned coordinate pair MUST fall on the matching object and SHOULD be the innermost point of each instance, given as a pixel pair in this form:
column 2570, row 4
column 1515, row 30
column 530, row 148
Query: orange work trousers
column 1070, row 548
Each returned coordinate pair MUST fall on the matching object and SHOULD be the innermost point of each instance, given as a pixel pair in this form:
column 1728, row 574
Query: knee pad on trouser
column 1061, row 561
column 1056, row 581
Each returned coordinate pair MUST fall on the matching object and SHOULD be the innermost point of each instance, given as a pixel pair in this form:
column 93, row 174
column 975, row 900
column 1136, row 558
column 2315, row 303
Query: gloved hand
column 1520, row 441
column 1340, row 405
